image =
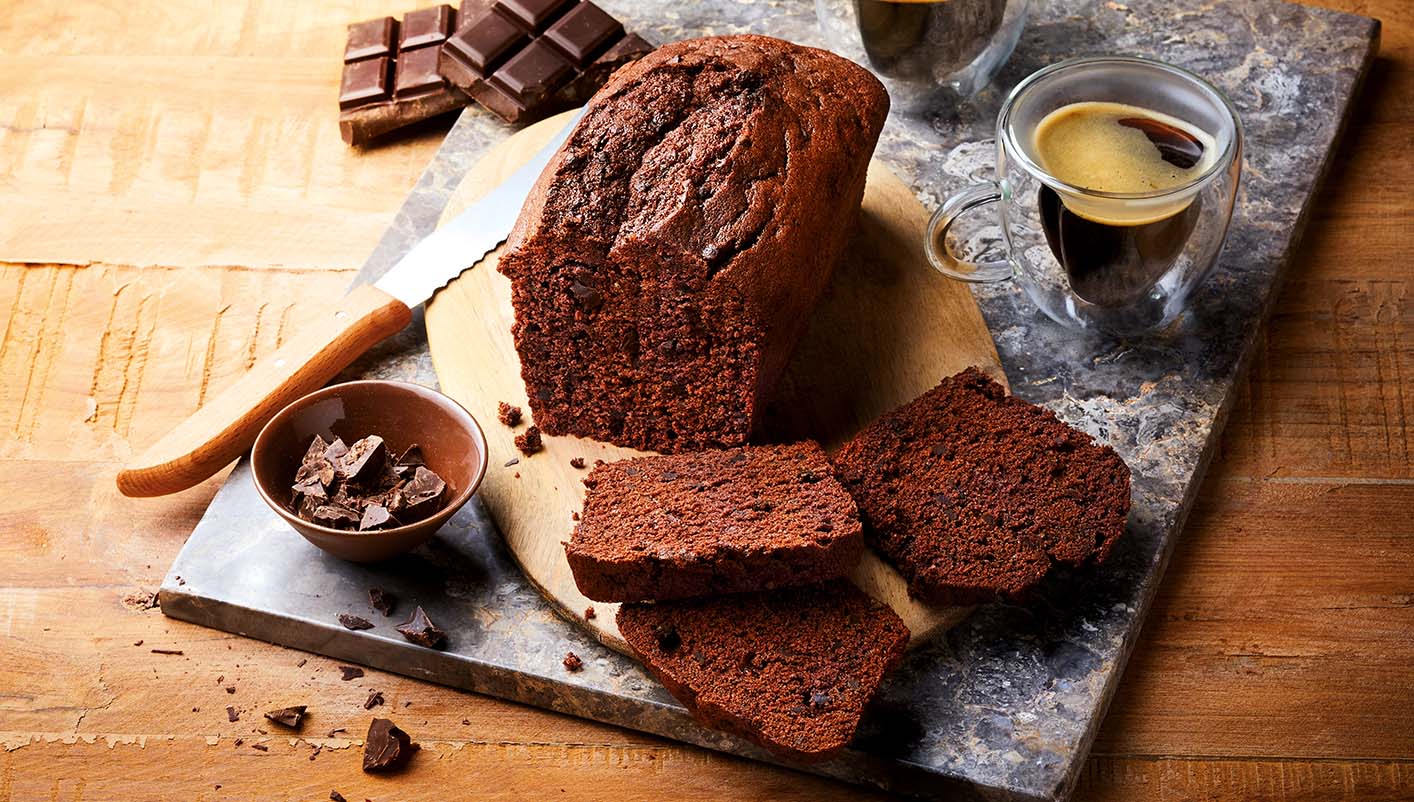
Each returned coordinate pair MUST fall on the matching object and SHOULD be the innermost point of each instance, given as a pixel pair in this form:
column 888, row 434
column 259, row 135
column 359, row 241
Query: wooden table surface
column 173, row 193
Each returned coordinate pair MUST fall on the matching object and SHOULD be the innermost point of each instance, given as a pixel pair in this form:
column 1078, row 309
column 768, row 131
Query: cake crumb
column 572, row 662
column 529, row 441
column 508, row 415
column 574, row 516
column 589, row 613
column 577, row 462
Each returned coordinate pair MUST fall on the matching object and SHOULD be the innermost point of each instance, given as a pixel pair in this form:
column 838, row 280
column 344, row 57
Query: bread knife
column 225, row 427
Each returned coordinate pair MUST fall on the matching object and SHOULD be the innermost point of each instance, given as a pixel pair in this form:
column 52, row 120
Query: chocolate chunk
column 667, row 637
column 422, row 494
column 230, row 689
column 382, row 601
column 529, row 441
column 508, row 415
column 354, row 622
column 374, row 517
column 526, row 59
column 572, row 662
column 335, row 796
column 422, row 631
column 260, row 747
column 361, row 488
column 232, row 716
column 363, row 461
column 287, row 716
column 386, row 748
column 374, row 699
column 577, row 462
column 350, row 672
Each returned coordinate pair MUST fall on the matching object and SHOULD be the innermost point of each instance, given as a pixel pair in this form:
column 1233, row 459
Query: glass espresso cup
column 1116, row 262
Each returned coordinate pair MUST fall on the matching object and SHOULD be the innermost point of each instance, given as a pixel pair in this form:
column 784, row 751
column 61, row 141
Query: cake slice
column 744, row 519
column 789, row 669
column 971, row 493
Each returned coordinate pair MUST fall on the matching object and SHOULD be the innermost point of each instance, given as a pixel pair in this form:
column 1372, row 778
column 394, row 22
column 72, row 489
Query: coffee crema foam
column 1105, row 147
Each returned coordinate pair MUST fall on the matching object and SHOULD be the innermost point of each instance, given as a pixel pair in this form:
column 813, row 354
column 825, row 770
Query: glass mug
column 928, row 53
column 1120, row 263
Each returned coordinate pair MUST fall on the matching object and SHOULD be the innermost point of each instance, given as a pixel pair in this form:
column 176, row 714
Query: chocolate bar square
column 364, row 82
column 533, row 74
column 533, row 15
column 582, row 32
column 372, row 38
column 426, row 26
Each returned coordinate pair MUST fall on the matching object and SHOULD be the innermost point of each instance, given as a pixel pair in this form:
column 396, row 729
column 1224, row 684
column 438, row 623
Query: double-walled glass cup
column 1156, row 246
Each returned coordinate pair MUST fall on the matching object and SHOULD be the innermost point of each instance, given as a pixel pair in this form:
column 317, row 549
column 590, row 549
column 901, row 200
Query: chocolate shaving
column 354, row 622
column 232, row 716
column 167, row 651
column 261, row 747
column 374, row 699
column 422, row 631
column 287, row 716
column 382, row 601
column 350, row 672
column 337, row 797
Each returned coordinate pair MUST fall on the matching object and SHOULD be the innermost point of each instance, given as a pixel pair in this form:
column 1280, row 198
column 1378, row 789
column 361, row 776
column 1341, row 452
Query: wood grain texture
column 1273, row 668
column 887, row 331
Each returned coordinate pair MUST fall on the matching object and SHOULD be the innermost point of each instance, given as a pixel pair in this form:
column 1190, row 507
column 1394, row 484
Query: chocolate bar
column 390, row 74
column 525, row 59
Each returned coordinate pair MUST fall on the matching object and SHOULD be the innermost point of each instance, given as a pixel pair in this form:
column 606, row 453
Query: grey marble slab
column 1004, row 706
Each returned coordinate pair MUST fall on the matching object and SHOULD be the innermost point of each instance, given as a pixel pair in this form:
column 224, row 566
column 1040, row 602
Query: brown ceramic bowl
column 403, row 415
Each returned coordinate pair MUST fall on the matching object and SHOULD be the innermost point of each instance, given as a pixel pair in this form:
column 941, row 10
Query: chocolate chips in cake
column 971, row 493
column 788, row 669
column 744, row 519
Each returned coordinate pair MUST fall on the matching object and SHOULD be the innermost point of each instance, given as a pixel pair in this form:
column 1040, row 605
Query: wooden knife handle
column 224, row 428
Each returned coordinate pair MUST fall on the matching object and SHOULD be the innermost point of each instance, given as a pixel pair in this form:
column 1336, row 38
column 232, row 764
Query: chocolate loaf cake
column 665, row 264
column 790, row 669
column 713, row 522
column 971, row 493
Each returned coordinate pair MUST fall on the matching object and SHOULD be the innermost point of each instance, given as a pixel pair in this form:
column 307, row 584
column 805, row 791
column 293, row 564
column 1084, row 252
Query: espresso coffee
column 920, row 39
column 1114, row 250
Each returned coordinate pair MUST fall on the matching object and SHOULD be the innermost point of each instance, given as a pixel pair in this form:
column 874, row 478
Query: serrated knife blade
column 466, row 239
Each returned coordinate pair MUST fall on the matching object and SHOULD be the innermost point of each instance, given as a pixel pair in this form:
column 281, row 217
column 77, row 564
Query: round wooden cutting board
column 889, row 329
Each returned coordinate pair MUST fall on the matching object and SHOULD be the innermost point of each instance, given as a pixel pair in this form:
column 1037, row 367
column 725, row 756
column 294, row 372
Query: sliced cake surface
column 743, row 519
column 971, row 493
column 671, row 254
column 790, row 669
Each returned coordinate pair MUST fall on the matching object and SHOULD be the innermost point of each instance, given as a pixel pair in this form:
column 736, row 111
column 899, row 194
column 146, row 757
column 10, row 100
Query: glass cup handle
column 935, row 241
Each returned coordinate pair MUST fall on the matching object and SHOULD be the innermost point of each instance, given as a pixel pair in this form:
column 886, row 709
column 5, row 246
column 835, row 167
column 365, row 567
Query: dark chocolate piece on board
column 422, row 631
column 387, row 747
column 337, row 797
column 363, row 487
column 390, row 75
column 354, row 622
column 350, row 672
column 526, row 59
column 375, row 698
column 287, row 716
column 382, row 601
